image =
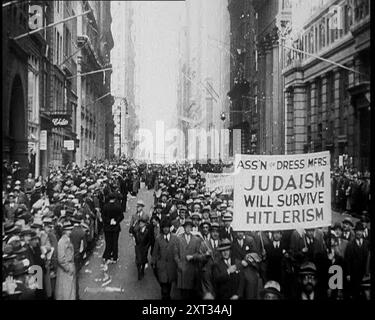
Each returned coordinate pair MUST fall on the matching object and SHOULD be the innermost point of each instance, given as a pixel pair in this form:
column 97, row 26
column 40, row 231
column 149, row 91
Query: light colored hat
column 140, row 203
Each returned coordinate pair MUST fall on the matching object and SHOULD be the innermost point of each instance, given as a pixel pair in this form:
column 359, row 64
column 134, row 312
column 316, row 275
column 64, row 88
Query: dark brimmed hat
column 348, row 221
column 225, row 244
column 188, row 221
column 359, row 226
column 337, row 225
column 143, row 219
column 165, row 223
column 307, row 268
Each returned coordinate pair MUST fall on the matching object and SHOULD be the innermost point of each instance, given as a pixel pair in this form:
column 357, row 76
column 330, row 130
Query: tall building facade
column 244, row 110
column 203, row 79
column 329, row 107
column 41, row 88
column 272, row 18
column 123, row 79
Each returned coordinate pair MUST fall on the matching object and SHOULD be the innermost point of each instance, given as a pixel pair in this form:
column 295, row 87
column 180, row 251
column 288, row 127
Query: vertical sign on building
column 43, row 140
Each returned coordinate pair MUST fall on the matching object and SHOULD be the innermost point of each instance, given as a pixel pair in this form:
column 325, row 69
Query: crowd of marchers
column 53, row 224
column 196, row 254
column 186, row 237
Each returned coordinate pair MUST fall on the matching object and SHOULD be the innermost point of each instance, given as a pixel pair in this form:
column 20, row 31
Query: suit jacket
column 11, row 212
column 356, row 260
column 76, row 237
column 238, row 252
column 210, row 255
column 274, row 261
column 350, row 236
column 142, row 243
column 226, row 285
column 187, row 273
column 112, row 211
column 163, row 258
column 224, row 235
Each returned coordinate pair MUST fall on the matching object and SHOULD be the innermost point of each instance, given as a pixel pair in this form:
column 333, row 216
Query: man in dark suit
column 225, row 273
column 241, row 245
column 211, row 254
column 307, row 282
column 356, row 257
column 347, row 226
column 134, row 221
column 112, row 216
column 226, row 231
column 142, row 237
column 275, row 253
column 187, row 256
column 163, row 259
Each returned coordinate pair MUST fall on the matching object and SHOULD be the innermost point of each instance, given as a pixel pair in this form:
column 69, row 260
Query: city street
column 120, row 282
column 97, row 284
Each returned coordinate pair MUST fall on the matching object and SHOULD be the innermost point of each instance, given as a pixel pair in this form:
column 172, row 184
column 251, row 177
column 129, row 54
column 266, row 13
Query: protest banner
column 282, row 192
column 219, row 182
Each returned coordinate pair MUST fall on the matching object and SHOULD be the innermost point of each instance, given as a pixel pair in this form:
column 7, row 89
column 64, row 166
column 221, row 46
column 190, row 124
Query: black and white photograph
column 189, row 150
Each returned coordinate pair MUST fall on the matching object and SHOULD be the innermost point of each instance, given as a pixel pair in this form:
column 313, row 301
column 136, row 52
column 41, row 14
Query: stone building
column 123, row 78
column 329, row 107
column 243, row 110
column 272, row 16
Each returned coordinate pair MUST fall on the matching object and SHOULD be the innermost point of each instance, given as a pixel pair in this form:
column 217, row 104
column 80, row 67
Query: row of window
column 343, row 104
column 328, row 29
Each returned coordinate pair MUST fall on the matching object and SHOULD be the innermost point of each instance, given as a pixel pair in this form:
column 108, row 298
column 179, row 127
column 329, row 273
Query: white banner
column 43, row 140
column 222, row 182
column 69, row 145
column 282, row 192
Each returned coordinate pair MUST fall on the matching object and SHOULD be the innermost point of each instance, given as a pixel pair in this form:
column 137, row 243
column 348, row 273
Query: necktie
column 187, row 239
column 227, row 261
column 166, row 238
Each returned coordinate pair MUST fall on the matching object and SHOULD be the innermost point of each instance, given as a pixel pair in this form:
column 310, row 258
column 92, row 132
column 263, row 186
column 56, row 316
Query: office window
column 33, row 89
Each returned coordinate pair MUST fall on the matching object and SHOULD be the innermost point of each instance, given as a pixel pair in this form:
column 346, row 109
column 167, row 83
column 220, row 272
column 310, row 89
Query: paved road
column 120, row 281
column 98, row 284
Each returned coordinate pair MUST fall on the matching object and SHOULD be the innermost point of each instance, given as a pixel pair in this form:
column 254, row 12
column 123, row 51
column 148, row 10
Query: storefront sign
column 69, row 145
column 60, row 120
column 43, row 140
column 282, row 192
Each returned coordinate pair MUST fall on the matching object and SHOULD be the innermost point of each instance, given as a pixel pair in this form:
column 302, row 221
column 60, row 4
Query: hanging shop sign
column 43, row 140
column 69, row 145
column 60, row 120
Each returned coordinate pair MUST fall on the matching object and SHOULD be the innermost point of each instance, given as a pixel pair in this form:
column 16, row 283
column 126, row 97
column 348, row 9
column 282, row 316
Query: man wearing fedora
column 307, row 280
column 163, row 261
column 210, row 255
column 78, row 239
column 348, row 233
column 134, row 221
column 356, row 258
column 10, row 209
column 66, row 273
column 226, row 231
column 142, row 237
column 187, row 255
column 112, row 216
column 225, row 273
column 271, row 291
